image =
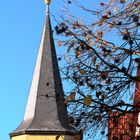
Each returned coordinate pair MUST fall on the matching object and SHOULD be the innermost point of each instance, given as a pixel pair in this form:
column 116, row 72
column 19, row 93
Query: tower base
column 44, row 137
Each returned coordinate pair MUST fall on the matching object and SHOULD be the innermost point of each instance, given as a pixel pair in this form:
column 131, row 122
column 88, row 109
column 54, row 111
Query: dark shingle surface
column 45, row 111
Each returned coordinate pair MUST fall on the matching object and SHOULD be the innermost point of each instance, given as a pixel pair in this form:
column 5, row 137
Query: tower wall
column 41, row 137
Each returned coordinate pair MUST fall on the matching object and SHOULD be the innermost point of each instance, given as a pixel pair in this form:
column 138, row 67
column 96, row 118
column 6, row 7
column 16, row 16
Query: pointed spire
column 45, row 111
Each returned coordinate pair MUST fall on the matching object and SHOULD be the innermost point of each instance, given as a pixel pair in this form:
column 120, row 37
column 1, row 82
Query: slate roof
column 45, row 111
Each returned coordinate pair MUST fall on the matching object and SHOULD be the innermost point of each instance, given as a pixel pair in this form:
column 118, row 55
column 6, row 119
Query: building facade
column 121, row 127
column 126, row 126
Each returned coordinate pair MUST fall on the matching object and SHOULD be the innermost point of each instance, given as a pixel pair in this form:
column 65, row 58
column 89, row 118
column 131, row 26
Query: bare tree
column 102, row 59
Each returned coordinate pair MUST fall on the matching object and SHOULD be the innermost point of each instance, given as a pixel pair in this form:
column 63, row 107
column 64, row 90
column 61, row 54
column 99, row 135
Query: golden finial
column 47, row 2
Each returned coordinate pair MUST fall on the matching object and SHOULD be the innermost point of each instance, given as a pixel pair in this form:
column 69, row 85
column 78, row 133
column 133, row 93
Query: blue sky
column 21, row 24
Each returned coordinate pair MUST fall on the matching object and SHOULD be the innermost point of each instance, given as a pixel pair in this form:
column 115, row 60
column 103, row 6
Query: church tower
column 137, row 103
column 46, row 116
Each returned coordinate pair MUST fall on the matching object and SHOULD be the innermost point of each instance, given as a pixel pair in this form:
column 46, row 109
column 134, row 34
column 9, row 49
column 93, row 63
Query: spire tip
column 47, row 2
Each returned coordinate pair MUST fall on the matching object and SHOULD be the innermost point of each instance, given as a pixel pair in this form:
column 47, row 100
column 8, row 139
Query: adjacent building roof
column 45, row 111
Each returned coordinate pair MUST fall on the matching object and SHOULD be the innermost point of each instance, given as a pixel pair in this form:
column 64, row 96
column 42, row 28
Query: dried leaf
column 72, row 96
column 99, row 34
column 136, row 18
column 115, row 10
column 109, row 112
column 100, row 23
column 102, row 4
column 131, row 98
column 69, row 59
column 68, row 33
column 94, row 60
column 83, row 72
column 111, row 24
column 99, row 118
column 122, row 1
column 76, row 23
column 69, row 48
column 109, row 12
column 78, row 53
column 87, row 38
column 104, row 75
column 96, row 40
column 91, row 43
column 87, row 101
column 137, row 4
column 104, row 17
column 59, row 43
column 104, row 42
column 106, row 82
column 104, row 95
column 97, row 65
column 137, row 53
column 84, row 34
column 67, row 99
